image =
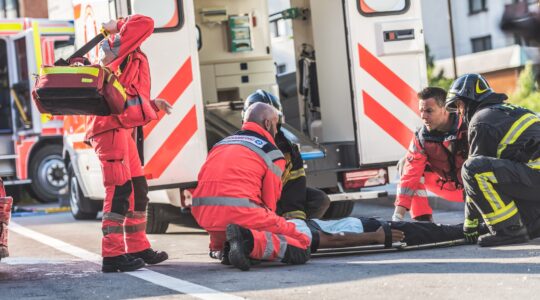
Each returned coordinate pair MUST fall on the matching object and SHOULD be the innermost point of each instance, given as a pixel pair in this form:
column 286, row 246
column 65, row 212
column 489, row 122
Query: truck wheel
column 48, row 173
column 153, row 222
column 77, row 200
column 339, row 209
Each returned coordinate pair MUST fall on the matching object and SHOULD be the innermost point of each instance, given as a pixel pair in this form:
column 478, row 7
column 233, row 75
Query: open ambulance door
column 387, row 69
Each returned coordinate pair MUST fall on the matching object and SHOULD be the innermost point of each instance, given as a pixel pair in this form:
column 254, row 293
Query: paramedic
column 124, row 208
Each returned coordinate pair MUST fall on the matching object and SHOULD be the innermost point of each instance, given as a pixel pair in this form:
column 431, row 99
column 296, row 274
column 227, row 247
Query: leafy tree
column 436, row 79
column 526, row 94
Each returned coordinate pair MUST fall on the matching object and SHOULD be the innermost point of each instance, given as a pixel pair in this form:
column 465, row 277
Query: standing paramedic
column 126, row 189
column 238, row 188
column 434, row 158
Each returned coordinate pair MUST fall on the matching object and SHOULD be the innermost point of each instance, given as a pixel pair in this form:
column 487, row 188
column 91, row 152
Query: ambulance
column 31, row 143
column 357, row 93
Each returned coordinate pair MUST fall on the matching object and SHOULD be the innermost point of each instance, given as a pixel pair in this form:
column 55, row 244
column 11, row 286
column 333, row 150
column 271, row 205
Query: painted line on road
column 172, row 283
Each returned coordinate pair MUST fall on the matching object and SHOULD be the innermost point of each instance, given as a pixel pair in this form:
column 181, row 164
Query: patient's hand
column 397, row 235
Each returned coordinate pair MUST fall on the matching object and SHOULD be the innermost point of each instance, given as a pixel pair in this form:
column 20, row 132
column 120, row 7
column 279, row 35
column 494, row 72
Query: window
column 282, row 68
column 5, row 103
column 168, row 15
column 481, row 43
column 382, row 7
column 11, row 9
column 477, row 6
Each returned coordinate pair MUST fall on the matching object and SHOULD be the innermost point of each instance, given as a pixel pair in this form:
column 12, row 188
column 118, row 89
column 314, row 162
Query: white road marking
column 156, row 278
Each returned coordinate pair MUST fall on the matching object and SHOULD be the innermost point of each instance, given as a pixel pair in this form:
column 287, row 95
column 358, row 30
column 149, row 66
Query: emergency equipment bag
column 71, row 88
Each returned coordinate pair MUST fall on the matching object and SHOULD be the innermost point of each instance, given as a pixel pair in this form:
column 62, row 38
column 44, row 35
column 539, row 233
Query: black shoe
column 122, row 263
column 225, row 254
column 505, row 236
column 150, row 256
column 240, row 240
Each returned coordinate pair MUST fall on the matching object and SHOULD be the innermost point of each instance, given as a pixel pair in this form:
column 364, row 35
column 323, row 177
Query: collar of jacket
column 251, row 126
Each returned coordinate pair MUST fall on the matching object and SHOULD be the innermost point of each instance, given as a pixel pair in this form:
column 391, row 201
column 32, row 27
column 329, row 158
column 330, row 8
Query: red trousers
column 124, row 208
column 271, row 233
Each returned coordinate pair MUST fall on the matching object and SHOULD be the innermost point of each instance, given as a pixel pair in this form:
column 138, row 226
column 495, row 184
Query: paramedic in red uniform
column 238, row 188
column 124, row 208
column 434, row 158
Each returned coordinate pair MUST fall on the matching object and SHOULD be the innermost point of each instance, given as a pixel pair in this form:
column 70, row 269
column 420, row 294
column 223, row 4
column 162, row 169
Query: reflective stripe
column 224, row 201
column 485, row 181
column 282, row 246
column 534, row 164
column 135, row 228
column 133, row 102
column 136, row 215
column 269, row 246
column 265, row 156
column 118, row 86
column 515, row 131
column 295, row 174
column 501, row 215
column 295, row 214
column 470, row 223
column 92, row 71
column 114, row 217
column 112, row 229
column 116, row 44
column 411, row 192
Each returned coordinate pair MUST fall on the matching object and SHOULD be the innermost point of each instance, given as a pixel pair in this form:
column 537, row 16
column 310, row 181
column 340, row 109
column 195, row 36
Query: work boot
column 122, row 263
column 225, row 254
column 514, row 234
column 241, row 244
column 150, row 256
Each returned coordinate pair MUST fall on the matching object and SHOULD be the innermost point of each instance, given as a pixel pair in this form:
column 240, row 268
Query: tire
column 339, row 209
column 77, row 201
column 48, row 173
column 153, row 223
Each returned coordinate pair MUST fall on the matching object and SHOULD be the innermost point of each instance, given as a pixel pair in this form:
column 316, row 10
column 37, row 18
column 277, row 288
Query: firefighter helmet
column 468, row 87
column 264, row 97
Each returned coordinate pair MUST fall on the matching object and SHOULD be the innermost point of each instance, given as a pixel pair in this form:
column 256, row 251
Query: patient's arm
column 351, row 239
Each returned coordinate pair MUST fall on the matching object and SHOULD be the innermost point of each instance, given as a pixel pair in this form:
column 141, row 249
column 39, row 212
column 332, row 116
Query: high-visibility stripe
column 118, row 218
column 295, row 174
column 112, row 229
column 500, row 215
column 470, row 223
column 534, row 164
column 269, row 246
column 265, row 156
column 515, row 131
column 135, row 228
column 37, row 43
column 411, row 192
column 485, row 181
column 172, row 91
column 173, row 145
column 386, row 120
column 92, row 71
column 136, row 215
column 224, row 201
column 11, row 27
column 133, row 102
column 282, row 246
column 118, row 86
column 56, row 30
column 404, row 92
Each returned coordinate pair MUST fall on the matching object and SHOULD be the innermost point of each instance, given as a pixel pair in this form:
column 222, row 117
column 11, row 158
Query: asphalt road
column 56, row 257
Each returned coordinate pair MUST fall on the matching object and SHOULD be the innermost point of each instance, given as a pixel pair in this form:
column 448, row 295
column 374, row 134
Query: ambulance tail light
column 365, row 178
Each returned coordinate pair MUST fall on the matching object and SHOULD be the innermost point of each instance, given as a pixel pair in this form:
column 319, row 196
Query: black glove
column 470, row 231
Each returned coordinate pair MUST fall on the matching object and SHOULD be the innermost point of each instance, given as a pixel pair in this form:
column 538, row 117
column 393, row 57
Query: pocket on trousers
column 114, row 173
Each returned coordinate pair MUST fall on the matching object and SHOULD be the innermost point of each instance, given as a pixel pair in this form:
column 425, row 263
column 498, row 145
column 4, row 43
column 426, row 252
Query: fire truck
column 356, row 93
column 31, row 143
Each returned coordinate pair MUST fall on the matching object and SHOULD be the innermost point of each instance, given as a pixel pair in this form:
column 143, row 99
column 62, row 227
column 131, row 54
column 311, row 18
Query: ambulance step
column 10, row 156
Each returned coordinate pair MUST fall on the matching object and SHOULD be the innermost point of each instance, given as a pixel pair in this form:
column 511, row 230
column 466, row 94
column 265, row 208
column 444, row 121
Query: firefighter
column 238, row 188
column 502, row 174
column 434, row 158
column 124, row 207
column 297, row 200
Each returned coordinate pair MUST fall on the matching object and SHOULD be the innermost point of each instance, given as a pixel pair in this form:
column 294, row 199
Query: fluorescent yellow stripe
column 37, row 43
column 68, row 30
column 484, row 182
column 296, row 174
column 515, row 131
column 45, row 118
column 501, row 215
column 534, row 164
column 120, row 88
column 70, row 70
column 11, row 27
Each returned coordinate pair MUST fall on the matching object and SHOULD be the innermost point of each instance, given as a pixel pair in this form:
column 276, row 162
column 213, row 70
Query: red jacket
column 235, row 171
column 135, row 77
column 443, row 154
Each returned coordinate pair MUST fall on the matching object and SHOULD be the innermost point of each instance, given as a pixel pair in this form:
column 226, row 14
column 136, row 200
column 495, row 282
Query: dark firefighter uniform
column 502, row 174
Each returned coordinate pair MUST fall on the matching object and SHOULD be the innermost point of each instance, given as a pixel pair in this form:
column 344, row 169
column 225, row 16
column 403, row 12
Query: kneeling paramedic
column 124, row 207
column 502, row 174
column 235, row 200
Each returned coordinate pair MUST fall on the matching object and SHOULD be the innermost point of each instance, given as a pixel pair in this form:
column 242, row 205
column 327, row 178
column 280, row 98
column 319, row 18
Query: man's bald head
column 263, row 114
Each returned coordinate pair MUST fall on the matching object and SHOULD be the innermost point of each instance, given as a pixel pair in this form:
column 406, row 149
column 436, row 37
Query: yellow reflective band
column 485, row 181
column 70, row 70
column 470, row 223
column 295, row 174
column 468, row 199
column 515, row 131
column 120, row 88
column 37, row 43
column 46, row 118
column 10, row 27
column 501, row 215
column 67, row 30
column 87, row 80
column 478, row 89
column 534, row 164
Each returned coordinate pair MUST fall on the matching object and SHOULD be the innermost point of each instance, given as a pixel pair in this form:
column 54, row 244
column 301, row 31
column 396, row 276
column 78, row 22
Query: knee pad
column 296, row 256
column 140, row 193
column 120, row 200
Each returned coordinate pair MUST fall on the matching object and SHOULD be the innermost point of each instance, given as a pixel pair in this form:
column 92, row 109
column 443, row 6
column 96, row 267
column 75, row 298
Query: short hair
column 433, row 92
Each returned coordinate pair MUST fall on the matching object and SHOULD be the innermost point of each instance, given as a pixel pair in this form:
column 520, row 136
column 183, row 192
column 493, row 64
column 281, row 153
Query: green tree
column 526, row 94
column 436, row 79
